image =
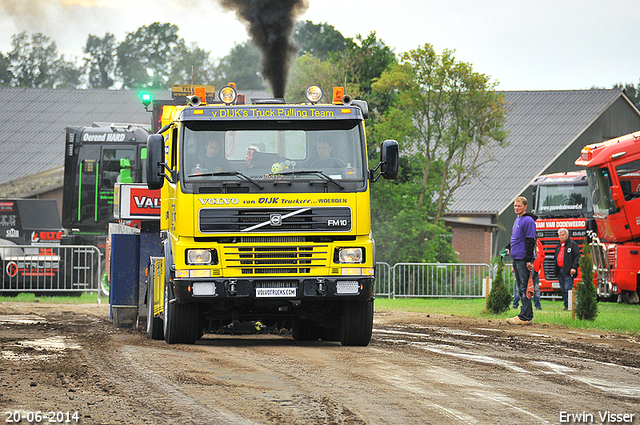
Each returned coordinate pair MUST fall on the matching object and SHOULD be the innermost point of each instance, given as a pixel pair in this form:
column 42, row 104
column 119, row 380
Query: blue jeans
column 566, row 285
column 536, row 293
column 522, row 279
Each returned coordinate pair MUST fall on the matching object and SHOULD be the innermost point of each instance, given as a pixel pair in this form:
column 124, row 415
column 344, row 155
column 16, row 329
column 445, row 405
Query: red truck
column 613, row 175
column 560, row 200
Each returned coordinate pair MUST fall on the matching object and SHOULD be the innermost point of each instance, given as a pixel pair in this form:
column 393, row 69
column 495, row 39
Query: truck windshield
column 567, row 200
column 600, row 186
column 270, row 151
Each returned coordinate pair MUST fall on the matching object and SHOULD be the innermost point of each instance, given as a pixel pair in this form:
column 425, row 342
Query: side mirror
column 155, row 161
column 617, row 195
column 389, row 157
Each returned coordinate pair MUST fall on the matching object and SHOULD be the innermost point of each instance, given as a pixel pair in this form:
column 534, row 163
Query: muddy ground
column 418, row 369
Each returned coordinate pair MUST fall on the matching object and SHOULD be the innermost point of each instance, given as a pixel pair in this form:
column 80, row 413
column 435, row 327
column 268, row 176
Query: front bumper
column 291, row 289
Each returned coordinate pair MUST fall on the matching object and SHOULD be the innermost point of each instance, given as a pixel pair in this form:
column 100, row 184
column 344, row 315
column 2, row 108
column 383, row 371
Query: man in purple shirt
column 521, row 248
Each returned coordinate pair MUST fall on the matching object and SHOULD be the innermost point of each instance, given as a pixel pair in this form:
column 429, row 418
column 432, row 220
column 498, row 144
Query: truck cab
column 265, row 216
column 560, row 200
column 96, row 158
column 613, row 170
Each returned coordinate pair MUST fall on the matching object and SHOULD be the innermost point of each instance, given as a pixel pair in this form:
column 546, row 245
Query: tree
column 319, row 40
column 192, row 65
column 404, row 232
column 631, row 90
column 146, row 57
column 587, row 298
column 354, row 67
column 366, row 59
column 68, row 75
column 6, row 76
column 499, row 298
column 242, row 66
column 445, row 115
column 33, row 61
column 311, row 70
column 101, row 60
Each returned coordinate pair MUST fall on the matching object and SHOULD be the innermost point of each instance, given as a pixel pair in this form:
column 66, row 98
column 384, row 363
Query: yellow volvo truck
column 265, row 216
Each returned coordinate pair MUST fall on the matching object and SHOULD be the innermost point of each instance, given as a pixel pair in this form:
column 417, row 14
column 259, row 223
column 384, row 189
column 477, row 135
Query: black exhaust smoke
column 270, row 25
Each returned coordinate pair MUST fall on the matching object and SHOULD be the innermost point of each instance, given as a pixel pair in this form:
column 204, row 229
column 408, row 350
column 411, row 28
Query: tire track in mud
column 560, row 365
column 257, row 376
column 147, row 397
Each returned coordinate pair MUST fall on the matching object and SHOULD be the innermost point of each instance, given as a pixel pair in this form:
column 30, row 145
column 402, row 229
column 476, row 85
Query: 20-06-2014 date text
column 38, row 417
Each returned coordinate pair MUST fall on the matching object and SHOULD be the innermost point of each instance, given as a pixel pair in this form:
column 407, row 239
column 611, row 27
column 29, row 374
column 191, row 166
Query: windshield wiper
column 318, row 173
column 228, row 173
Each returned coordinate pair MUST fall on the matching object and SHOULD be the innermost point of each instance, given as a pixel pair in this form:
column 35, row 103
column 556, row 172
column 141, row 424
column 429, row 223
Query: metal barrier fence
column 383, row 282
column 56, row 269
column 443, row 280
column 431, row 279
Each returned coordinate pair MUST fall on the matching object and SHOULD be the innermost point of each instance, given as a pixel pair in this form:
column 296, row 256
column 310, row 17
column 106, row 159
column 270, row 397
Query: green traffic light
column 146, row 99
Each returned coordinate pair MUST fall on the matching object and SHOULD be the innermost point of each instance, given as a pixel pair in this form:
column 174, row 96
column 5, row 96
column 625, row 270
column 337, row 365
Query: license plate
column 555, row 285
column 275, row 292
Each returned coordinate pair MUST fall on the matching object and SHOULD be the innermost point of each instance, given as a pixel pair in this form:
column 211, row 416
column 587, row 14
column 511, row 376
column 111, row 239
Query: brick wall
column 472, row 243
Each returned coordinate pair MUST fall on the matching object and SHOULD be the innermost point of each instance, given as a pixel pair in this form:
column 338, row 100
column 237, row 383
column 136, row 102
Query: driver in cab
column 325, row 159
column 213, row 160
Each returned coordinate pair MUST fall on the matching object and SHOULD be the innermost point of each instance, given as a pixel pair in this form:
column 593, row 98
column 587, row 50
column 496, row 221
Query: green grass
column 612, row 317
column 84, row 298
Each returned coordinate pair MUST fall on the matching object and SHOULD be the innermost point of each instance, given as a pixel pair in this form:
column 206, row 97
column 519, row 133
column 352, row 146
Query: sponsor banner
column 45, row 237
column 6, row 206
column 137, row 202
column 559, row 224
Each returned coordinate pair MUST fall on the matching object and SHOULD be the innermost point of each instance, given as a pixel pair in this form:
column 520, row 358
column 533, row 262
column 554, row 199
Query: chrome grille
column 276, row 260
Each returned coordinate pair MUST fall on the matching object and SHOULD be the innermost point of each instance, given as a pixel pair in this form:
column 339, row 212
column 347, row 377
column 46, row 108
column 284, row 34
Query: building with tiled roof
column 545, row 132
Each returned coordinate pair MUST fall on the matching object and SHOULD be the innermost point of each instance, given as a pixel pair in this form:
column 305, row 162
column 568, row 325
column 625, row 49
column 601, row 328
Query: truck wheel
column 181, row 321
column 154, row 324
column 357, row 323
column 104, row 283
column 305, row 330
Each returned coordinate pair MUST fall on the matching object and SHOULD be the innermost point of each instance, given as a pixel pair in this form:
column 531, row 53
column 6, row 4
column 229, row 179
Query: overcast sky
column 521, row 44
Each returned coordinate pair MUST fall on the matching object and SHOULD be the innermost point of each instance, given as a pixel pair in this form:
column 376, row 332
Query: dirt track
column 418, row 369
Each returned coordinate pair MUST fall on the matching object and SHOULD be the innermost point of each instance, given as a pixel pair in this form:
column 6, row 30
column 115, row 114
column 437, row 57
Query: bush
column 587, row 297
column 499, row 299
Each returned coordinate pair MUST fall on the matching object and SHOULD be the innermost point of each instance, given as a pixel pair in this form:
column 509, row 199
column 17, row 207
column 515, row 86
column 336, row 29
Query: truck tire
column 357, row 323
column 103, row 281
column 154, row 324
column 181, row 321
column 305, row 330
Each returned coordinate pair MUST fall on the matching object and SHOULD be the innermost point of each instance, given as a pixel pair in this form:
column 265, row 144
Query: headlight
column 313, row 94
column 199, row 256
column 350, row 255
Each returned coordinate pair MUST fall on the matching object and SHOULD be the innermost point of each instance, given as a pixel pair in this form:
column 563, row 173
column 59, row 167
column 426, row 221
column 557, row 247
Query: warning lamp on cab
column 338, row 94
column 201, row 93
